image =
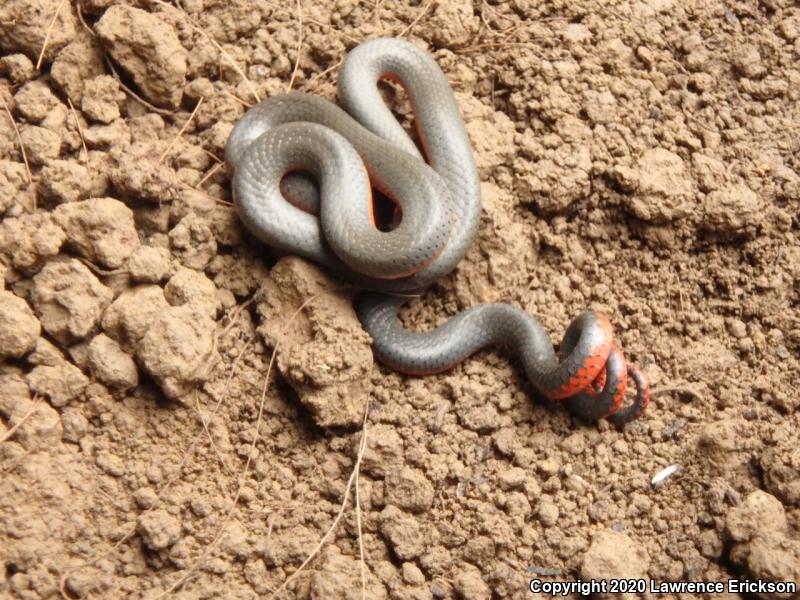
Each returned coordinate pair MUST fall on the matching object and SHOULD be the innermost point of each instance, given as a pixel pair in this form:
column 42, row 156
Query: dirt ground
column 636, row 157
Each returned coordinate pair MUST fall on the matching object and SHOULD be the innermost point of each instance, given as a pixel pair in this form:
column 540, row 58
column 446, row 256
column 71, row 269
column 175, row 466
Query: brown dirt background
column 640, row 158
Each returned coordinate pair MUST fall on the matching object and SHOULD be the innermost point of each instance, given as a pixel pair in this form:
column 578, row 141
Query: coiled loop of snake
column 439, row 196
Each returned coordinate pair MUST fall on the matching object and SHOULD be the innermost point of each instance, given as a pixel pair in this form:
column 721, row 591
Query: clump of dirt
column 639, row 159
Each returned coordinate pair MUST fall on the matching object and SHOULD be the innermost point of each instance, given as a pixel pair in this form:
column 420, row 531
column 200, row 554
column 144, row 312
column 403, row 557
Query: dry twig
column 353, row 476
column 208, row 175
column 21, row 146
column 216, row 45
column 19, row 423
column 47, row 34
column 181, row 132
column 226, row 519
column 299, row 45
column 174, row 477
column 421, row 14
column 137, row 97
column 80, row 129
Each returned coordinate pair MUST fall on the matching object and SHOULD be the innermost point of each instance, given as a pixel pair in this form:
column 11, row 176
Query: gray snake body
column 348, row 153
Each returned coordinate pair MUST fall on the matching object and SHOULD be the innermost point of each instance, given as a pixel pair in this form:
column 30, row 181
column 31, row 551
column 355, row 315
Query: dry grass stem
column 181, row 132
column 80, row 130
column 19, row 423
column 299, row 45
column 421, row 14
column 47, row 34
column 216, row 45
column 21, row 146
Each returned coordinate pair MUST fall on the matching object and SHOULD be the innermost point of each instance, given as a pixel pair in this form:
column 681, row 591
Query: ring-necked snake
column 329, row 219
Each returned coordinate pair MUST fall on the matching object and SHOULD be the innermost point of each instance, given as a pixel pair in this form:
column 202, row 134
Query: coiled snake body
column 332, row 223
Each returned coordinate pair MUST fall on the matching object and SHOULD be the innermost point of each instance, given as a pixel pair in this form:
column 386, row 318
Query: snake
column 303, row 173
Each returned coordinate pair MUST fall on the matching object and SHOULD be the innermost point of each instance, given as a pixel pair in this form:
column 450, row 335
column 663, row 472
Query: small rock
column 601, row 107
column 111, row 464
column 452, row 23
column 64, row 181
column 747, row 61
column 556, row 182
column 327, row 355
column 142, row 177
column 614, row 555
column 19, row 327
column 40, row 429
column 79, row 354
column 781, row 466
column 772, row 557
column 35, row 101
column 177, row 348
column 758, row 512
column 512, row 478
column 720, row 442
column 226, row 226
column 69, row 299
column 74, row 423
column 191, row 201
column 128, row 318
column 100, row 229
column 409, row 489
column 115, row 135
column 709, row 172
column 709, row 544
column 292, row 548
column 45, row 353
column 61, row 383
column 102, row 98
column 111, row 364
column 14, row 394
column 663, row 188
column 789, row 28
column 482, row 418
column 80, row 60
column 384, row 451
column 733, row 210
column 148, row 127
column 149, row 264
column 158, row 529
column 759, row 528
column 549, row 466
column 412, row 574
column 148, row 49
column 575, row 444
column 188, row 286
column 146, row 497
column 24, row 25
column 41, row 145
column 193, row 242
column 548, row 514
column 469, row 583
column 17, row 67
column 13, row 184
column 440, row 590
column 241, row 274
column 736, row 327
column 404, row 534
